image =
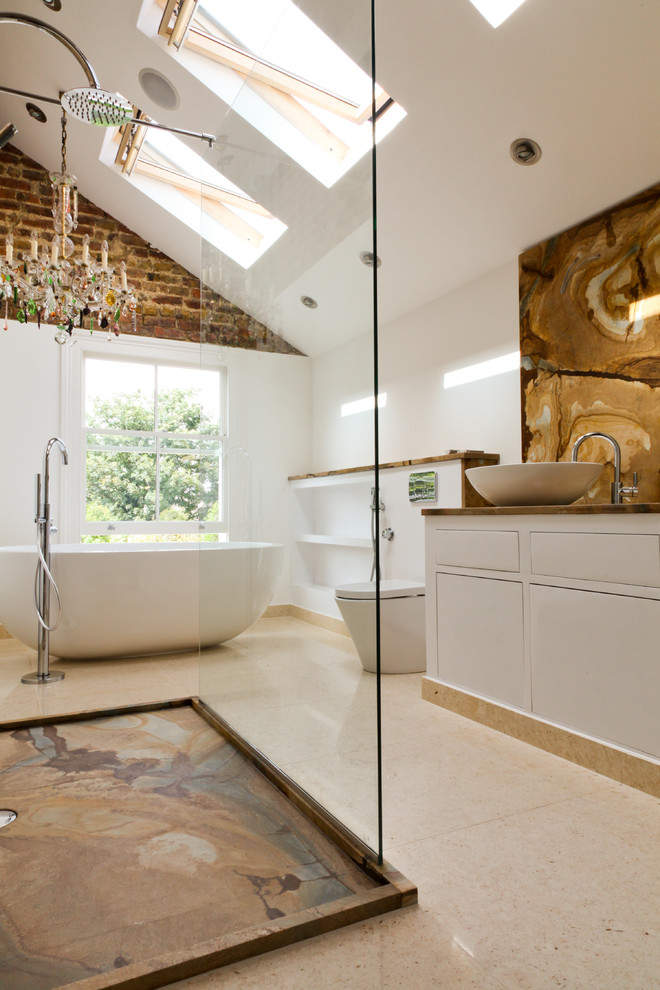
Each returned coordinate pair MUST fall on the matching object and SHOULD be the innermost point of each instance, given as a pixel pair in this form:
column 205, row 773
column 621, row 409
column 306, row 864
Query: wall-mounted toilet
column 402, row 629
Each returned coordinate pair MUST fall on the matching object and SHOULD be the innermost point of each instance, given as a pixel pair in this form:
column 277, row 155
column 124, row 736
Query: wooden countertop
column 544, row 510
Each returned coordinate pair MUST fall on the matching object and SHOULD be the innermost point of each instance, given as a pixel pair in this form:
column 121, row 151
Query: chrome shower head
column 97, row 106
column 7, row 133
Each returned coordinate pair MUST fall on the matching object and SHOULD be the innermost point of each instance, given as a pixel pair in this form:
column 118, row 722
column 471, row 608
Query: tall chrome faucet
column 618, row 490
column 43, row 578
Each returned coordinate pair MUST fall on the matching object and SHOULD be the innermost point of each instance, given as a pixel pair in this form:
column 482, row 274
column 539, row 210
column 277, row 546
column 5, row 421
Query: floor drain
column 7, row 817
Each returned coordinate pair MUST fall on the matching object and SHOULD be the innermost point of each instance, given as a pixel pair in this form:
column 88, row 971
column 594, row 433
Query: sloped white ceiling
column 578, row 76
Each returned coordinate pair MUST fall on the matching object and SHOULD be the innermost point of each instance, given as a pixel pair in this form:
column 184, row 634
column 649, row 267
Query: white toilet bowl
column 402, row 630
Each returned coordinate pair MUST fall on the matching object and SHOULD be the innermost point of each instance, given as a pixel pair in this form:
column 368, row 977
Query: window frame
column 303, row 119
column 193, row 191
column 74, row 525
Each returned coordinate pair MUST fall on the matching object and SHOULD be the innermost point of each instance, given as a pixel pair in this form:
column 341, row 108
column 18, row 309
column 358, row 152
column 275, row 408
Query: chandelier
column 50, row 284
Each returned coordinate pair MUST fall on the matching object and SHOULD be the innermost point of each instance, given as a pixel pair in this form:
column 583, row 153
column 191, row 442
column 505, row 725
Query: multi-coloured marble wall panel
column 590, row 343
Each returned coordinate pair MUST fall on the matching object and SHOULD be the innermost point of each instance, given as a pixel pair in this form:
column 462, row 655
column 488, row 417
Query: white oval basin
column 543, row 483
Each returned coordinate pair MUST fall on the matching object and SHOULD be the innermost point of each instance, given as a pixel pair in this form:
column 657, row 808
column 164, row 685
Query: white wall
column 30, row 415
column 474, row 323
column 270, row 439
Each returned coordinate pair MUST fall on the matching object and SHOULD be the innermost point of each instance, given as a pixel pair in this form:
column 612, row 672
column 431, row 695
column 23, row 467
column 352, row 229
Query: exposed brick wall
column 171, row 304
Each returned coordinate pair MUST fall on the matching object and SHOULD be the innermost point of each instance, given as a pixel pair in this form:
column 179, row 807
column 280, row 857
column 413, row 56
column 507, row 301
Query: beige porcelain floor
column 532, row 872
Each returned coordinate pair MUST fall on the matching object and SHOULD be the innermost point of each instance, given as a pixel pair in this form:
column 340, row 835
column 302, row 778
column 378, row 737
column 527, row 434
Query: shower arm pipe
column 10, row 18
column 30, row 96
column 210, row 138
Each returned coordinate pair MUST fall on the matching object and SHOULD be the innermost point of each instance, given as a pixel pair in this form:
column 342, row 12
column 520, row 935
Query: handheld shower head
column 7, row 133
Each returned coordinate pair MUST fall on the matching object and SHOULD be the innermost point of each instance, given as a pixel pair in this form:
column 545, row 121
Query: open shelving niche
column 331, row 523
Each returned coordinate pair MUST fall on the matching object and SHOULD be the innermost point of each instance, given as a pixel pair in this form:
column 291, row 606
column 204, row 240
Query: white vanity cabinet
column 481, row 653
column 554, row 613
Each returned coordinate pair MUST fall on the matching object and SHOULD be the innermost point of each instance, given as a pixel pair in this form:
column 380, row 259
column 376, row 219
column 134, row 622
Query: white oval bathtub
column 128, row 599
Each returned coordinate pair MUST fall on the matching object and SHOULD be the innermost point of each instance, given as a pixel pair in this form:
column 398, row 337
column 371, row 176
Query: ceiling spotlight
column 53, row 4
column 367, row 258
column 524, row 151
column 7, row 133
column 36, row 112
column 309, row 302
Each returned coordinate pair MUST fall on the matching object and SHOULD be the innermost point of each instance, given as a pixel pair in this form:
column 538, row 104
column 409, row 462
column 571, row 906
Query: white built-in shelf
column 328, row 505
column 334, row 541
column 311, row 588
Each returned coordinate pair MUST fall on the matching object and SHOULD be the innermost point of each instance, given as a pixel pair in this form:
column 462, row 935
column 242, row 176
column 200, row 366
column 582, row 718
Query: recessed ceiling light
column 36, row 112
column 159, row 89
column 524, row 151
column 367, row 258
column 53, row 4
column 496, row 11
column 309, row 302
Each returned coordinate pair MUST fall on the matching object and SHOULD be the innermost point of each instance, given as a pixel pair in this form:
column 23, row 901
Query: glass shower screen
column 288, row 316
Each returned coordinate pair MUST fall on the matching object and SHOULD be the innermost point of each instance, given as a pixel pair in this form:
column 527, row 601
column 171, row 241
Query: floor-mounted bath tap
column 618, row 490
column 43, row 579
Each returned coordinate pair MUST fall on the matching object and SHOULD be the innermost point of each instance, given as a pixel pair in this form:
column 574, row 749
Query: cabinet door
column 595, row 664
column 480, row 636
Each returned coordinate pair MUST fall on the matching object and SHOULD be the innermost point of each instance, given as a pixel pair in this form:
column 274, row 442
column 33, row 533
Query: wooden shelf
column 453, row 455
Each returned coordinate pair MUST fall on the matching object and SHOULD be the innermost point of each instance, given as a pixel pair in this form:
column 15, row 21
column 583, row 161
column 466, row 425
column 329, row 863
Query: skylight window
column 496, row 11
column 178, row 179
column 283, row 75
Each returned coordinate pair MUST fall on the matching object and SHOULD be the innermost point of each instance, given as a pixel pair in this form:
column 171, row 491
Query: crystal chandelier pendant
column 55, row 285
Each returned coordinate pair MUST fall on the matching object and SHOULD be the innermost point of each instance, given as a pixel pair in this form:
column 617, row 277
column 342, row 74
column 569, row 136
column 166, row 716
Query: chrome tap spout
column 45, row 483
column 618, row 490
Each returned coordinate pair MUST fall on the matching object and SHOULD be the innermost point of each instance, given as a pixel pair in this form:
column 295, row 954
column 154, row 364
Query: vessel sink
column 542, row 483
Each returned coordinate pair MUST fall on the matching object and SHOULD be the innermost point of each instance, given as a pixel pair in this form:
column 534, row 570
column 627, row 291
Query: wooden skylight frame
column 216, row 202
column 181, row 26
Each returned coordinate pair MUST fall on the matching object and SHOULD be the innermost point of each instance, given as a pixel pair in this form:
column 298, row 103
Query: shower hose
column 42, row 565
column 375, row 510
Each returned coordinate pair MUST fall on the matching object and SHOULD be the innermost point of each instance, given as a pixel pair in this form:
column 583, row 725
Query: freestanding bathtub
column 127, row 599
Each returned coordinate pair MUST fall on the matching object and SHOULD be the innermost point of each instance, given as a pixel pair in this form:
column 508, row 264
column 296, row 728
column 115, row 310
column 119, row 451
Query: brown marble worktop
column 478, row 456
column 544, row 510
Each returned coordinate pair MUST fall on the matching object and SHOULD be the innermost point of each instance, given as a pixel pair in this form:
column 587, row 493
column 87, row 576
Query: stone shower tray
column 152, row 844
